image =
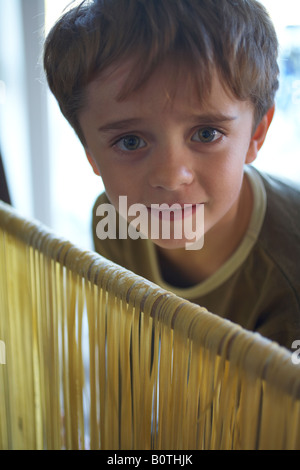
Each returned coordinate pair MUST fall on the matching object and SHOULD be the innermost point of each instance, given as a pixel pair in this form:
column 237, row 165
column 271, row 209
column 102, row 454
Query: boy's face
column 155, row 150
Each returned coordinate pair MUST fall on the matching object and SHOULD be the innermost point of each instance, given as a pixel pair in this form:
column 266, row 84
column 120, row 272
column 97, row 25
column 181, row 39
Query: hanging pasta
column 99, row 358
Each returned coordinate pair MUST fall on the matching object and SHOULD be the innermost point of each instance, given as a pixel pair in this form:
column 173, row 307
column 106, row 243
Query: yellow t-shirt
column 258, row 287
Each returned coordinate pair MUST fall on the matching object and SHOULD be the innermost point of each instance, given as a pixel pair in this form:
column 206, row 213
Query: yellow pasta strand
column 99, row 358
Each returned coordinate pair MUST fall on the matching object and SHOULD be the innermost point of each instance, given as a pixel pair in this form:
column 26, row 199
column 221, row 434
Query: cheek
column 222, row 180
column 119, row 182
column 224, row 170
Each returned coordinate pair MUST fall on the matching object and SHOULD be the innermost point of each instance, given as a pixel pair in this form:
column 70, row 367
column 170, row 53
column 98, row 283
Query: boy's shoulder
column 283, row 203
column 280, row 234
column 101, row 199
column 282, row 190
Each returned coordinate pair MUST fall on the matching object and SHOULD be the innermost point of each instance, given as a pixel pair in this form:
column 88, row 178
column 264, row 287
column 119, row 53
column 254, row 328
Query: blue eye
column 130, row 143
column 206, row 135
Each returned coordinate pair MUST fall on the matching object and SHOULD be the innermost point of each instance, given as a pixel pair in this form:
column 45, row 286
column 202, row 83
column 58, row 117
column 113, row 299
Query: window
column 280, row 154
column 74, row 186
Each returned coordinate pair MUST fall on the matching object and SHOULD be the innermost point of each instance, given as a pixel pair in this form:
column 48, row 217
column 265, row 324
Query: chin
column 172, row 244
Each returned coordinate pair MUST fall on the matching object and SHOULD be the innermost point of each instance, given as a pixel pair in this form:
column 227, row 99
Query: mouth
column 173, row 212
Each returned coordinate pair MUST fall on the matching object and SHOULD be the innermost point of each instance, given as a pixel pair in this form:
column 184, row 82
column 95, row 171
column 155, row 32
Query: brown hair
column 236, row 37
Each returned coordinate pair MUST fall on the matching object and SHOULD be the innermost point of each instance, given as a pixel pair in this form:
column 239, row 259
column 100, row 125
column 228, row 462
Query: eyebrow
column 119, row 125
column 204, row 118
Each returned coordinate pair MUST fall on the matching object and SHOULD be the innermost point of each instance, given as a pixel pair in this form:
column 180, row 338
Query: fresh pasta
column 99, row 358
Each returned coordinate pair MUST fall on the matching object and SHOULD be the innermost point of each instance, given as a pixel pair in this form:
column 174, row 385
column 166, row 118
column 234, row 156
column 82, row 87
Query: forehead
column 168, row 89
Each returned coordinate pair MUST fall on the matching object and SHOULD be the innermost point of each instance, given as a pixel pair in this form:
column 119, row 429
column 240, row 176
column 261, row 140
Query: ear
column 259, row 135
column 92, row 162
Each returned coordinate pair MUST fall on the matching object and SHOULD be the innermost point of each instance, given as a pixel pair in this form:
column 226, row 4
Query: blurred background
column 48, row 176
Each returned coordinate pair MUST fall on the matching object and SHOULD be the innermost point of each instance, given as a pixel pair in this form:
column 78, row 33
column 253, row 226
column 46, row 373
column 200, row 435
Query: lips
column 172, row 212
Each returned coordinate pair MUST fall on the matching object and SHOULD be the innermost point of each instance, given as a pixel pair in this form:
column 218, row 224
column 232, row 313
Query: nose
column 171, row 169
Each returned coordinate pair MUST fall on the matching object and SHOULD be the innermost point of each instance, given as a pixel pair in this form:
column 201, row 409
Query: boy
column 172, row 100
